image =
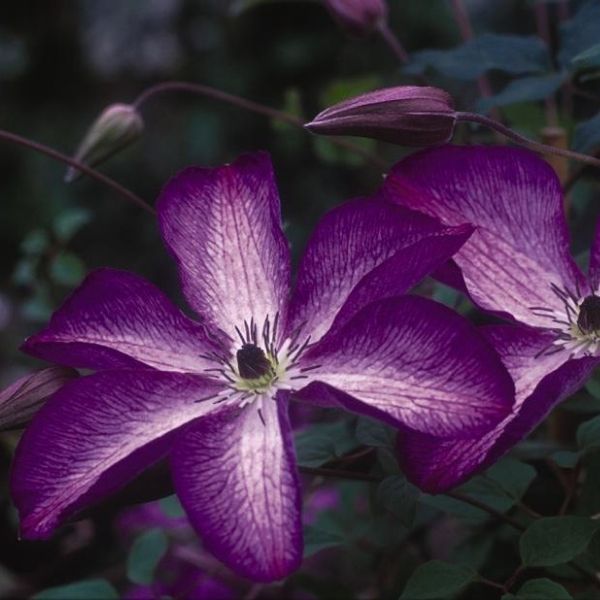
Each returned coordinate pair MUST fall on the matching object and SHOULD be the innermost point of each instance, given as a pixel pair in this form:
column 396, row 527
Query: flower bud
column 404, row 115
column 22, row 399
column 357, row 17
column 116, row 127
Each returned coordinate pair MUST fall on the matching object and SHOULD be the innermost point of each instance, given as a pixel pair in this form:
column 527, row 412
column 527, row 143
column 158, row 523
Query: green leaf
column 91, row 589
column 317, row 539
column 579, row 34
column 70, row 222
column 588, row 59
column 588, row 434
column 587, row 135
column 526, row 89
column 518, row 55
column 565, row 459
column 145, row 554
column 67, row 269
column 502, row 485
column 323, row 442
column 437, row 579
column 36, row 242
column 399, row 497
column 374, row 433
column 542, row 589
column 593, row 387
column 172, row 507
column 555, row 540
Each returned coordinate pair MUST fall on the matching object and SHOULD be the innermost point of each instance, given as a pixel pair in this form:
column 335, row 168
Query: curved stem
column 60, row 157
column 488, row 509
column 524, row 141
column 394, row 44
column 238, row 101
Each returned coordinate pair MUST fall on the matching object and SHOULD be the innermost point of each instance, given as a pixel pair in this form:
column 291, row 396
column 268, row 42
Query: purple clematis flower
column 213, row 394
column 517, row 265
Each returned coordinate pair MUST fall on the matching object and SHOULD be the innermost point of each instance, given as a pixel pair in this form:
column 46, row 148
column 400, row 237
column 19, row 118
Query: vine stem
column 255, row 107
column 60, row 157
column 524, row 141
column 394, row 44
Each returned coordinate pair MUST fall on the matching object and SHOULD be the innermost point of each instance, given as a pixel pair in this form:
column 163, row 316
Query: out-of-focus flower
column 117, row 126
column 23, row 398
column 517, row 264
column 406, row 115
column 357, row 17
column 213, row 395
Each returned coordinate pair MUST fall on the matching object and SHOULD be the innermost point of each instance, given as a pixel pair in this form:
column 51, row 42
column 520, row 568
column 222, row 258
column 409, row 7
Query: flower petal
column 96, row 434
column 348, row 244
column 417, row 362
column 541, row 382
column 235, row 475
column 223, row 226
column 116, row 319
column 594, row 268
column 521, row 246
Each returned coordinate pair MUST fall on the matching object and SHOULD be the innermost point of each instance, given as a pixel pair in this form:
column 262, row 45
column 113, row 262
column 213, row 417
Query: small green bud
column 117, row 126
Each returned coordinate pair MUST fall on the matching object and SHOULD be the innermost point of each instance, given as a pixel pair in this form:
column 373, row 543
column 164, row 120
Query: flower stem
column 60, row 157
column 255, row 107
column 524, row 141
column 392, row 41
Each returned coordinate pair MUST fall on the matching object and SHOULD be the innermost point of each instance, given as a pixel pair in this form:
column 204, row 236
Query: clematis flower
column 213, row 394
column 517, row 265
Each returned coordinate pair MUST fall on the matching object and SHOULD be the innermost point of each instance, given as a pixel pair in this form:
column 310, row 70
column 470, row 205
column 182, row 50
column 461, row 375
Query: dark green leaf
column 587, row 135
column 316, row 539
column 67, row 224
column 588, row 59
column 580, row 33
column 36, row 242
column 437, row 579
column 374, row 433
column 399, row 497
column 323, row 442
column 172, row 507
column 67, row 269
column 91, row 589
column 145, row 554
column 588, row 433
column 518, row 55
column 526, row 89
column 542, row 589
column 565, row 459
column 555, row 540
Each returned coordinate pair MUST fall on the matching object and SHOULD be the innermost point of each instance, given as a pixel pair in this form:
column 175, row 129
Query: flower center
column 588, row 320
column 252, row 363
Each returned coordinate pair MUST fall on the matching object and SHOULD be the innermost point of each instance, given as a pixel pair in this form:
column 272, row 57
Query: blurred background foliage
column 62, row 62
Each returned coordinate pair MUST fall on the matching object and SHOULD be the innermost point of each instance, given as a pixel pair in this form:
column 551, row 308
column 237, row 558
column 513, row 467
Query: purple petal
column 223, row 226
column 415, row 363
column 594, row 268
column 119, row 320
column 235, row 475
column 521, row 246
column 541, row 382
column 96, row 434
column 348, row 243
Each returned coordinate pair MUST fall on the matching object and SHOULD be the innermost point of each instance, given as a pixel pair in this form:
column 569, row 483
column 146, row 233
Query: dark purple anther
column 252, row 362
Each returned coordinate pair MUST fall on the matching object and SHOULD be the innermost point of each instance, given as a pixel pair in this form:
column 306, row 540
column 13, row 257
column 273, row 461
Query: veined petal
column 348, row 244
column 235, row 475
column 116, row 319
column 541, row 380
column 223, row 226
column 417, row 364
column 594, row 268
column 96, row 434
column 520, row 248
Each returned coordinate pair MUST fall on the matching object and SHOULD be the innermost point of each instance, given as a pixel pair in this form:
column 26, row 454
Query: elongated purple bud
column 22, row 399
column 405, row 115
column 357, row 17
column 117, row 126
